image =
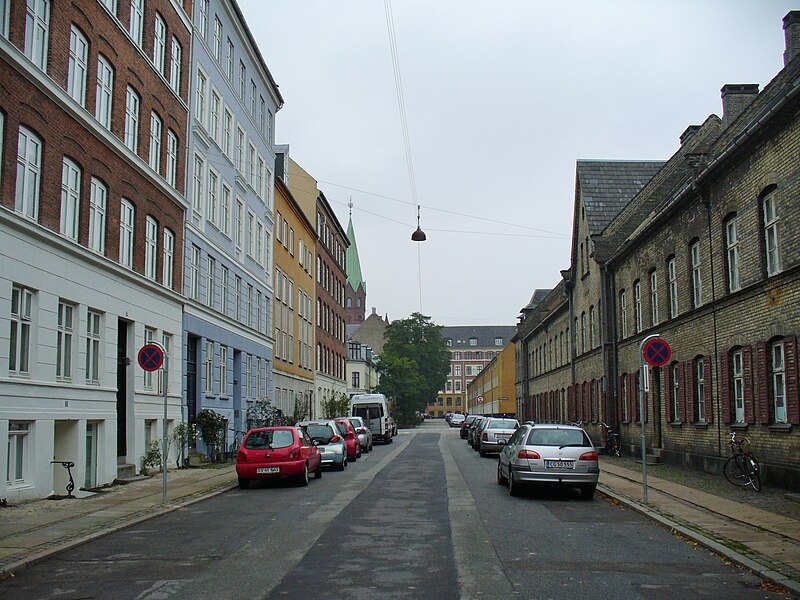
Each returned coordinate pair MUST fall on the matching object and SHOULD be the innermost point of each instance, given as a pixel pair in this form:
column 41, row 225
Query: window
column 149, row 336
column 225, row 214
column 291, row 241
column 260, row 243
column 223, row 290
column 155, row 142
column 64, row 343
column 111, row 5
column 583, row 333
column 29, row 170
column 732, row 253
column 93, row 322
column 200, row 97
column 249, row 307
column 356, row 380
column 253, row 94
column 197, row 196
column 211, row 275
column 175, row 67
column 697, row 282
column 270, row 128
column 240, row 136
column 227, row 133
column 457, row 370
column 20, row 337
column 237, row 299
column 159, row 44
column 137, row 21
column 211, row 196
column 623, row 314
column 654, row 318
column 229, row 67
column 242, row 79
column 17, row 468
column 238, row 238
column 37, row 23
column 209, row 367
column 70, row 199
column 126, row 234
column 78, row 67
column 251, row 221
column 778, row 381
column 172, row 158
column 637, row 304
column 771, row 241
column 97, row 216
column 217, row 38
column 203, row 25
column 214, row 119
column 700, row 390
column 194, row 274
column 673, row 288
column 737, row 375
column 223, row 370
column 498, row 341
column 4, row 10
column 105, row 92
column 132, row 120
column 169, row 257
column 248, row 377
column 150, row 248
column 624, row 398
column 675, row 393
column 592, row 329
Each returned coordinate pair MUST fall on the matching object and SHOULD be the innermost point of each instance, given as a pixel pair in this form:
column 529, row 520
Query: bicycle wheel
column 753, row 473
column 735, row 472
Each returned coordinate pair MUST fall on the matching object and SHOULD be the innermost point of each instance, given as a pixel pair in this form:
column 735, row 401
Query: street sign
column 657, row 352
column 151, row 357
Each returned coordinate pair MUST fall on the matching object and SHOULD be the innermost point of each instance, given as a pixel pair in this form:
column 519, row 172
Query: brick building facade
column 705, row 253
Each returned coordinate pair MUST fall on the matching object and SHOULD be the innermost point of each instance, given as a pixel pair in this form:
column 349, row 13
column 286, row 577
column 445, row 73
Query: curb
column 748, row 563
column 8, row 570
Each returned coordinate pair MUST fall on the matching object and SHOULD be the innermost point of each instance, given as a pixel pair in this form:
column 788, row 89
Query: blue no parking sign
column 151, row 357
column 657, row 352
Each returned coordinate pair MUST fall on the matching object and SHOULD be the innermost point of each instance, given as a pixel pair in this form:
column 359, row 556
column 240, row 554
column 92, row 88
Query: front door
column 122, row 388
column 657, row 407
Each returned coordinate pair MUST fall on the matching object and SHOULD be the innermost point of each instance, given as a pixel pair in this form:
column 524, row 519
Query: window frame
column 78, row 67
column 29, row 174
column 127, row 225
column 71, row 177
column 732, row 261
column 771, row 220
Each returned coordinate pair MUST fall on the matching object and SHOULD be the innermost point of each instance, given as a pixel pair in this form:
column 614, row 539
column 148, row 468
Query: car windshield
column 503, row 424
column 355, row 423
column 273, row 438
column 557, row 437
column 320, row 433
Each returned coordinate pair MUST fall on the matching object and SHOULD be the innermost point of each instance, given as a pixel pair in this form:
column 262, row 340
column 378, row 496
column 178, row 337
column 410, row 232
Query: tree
column 413, row 365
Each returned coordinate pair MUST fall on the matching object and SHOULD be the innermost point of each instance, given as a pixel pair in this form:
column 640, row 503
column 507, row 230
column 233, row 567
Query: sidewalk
column 727, row 522
column 765, row 541
column 31, row 531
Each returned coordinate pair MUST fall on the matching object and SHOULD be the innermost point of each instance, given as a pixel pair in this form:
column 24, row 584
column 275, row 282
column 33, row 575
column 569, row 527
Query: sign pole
column 165, row 445
column 642, row 375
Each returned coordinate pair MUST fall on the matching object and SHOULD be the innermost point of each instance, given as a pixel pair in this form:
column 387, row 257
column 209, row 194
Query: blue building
column 227, row 321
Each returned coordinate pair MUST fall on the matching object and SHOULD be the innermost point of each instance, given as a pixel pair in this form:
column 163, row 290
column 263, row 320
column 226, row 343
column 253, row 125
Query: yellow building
column 491, row 392
column 293, row 314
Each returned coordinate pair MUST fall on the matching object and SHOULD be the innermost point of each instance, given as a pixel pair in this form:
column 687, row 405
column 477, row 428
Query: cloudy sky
column 501, row 98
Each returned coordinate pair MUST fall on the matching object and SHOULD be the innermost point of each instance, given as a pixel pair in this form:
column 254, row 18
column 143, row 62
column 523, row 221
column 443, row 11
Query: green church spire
column 353, row 265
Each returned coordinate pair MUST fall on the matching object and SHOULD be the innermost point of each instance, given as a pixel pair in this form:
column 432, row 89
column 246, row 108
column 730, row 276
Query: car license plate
column 559, row 464
column 263, row 470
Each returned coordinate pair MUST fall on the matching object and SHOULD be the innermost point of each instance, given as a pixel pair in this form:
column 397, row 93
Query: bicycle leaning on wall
column 742, row 468
column 613, row 445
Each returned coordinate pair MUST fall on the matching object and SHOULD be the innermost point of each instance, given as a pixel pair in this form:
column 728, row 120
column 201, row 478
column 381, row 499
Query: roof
column 538, row 296
column 606, row 187
column 371, row 332
column 353, row 264
column 459, row 335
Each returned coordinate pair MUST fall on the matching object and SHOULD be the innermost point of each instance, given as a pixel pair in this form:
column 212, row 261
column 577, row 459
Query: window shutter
column 690, row 391
column 633, row 406
column 725, row 380
column 620, row 400
column 708, row 388
column 668, row 395
column 682, row 392
column 587, row 410
column 747, row 373
column 571, row 403
column 792, row 401
column 762, row 378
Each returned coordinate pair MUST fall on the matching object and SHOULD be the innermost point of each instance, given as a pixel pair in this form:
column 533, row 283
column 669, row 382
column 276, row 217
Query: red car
column 277, row 452
column 350, row 438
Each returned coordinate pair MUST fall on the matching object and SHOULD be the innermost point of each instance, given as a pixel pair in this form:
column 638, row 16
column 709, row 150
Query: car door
column 511, row 449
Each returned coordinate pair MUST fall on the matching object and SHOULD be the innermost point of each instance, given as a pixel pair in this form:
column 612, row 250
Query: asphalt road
column 420, row 518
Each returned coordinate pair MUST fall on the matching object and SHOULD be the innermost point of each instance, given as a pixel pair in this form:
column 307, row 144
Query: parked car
column 468, row 420
column 374, row 409
column 350, row 438
column 363, row 433
column 495, row 433
column 471, row 433
column 447, row 415
column 329, row 440
column 456, row 420
column 275, row 452
column 549, row 454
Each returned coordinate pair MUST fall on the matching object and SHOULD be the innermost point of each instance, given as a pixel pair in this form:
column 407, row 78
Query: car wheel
column 318, row 472
column 302, row 480
column 244, row 483
column 587, row 491
column 513, row 488
column 342, row 465
column 370, row 447
column 501, row 480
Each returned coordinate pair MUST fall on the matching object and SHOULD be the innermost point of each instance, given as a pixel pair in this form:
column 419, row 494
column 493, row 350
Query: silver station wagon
column 549, row 454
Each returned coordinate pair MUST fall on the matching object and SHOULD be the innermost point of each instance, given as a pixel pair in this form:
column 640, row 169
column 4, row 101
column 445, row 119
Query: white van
column 374, row 409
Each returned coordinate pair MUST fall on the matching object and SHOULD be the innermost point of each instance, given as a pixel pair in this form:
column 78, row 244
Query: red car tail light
column 335, row 440
column 589, row 456
column 485, row 436
column 529, row 454
column 241, row 457
column 295, row 453
column 362, row 430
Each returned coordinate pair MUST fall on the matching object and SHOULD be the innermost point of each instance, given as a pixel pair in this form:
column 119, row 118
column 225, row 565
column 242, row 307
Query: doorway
column 657, row 407
column 123, row 362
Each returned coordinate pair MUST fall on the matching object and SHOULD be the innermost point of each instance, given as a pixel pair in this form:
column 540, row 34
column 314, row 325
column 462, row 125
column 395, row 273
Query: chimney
column 791, row 31
column 690, row 131
column 374, row 311
column 735, row 98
